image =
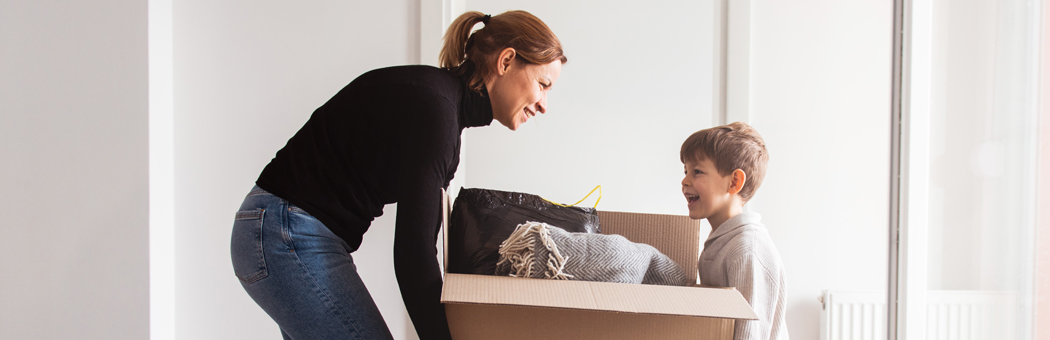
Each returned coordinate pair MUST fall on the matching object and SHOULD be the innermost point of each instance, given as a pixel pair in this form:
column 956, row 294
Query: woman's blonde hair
column 474, row 53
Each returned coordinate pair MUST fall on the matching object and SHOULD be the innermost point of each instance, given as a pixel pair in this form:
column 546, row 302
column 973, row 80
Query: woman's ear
column 506, row 58
column 737, row 181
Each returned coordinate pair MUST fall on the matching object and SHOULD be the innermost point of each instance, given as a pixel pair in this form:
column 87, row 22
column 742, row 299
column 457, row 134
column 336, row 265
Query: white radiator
column 950, row 315
column 853, row 316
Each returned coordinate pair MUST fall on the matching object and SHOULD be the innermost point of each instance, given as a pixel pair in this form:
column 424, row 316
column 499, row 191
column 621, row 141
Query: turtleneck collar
column 475, row 109
column 734, row 223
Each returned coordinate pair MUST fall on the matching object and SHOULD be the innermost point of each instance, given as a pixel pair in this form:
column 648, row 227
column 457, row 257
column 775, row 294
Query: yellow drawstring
column 599, row 188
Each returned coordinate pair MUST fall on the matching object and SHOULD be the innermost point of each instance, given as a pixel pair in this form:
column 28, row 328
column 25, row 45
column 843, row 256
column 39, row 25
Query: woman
column 391, row 135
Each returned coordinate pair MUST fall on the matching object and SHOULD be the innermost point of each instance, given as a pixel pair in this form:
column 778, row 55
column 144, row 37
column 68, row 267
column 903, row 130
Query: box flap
column 597, row 296
column 678, row 237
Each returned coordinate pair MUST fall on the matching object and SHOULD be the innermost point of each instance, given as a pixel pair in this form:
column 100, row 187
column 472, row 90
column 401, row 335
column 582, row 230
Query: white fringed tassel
column 519, row 251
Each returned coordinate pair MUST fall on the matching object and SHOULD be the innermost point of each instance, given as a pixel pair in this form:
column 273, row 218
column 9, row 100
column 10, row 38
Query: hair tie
column 485, row 19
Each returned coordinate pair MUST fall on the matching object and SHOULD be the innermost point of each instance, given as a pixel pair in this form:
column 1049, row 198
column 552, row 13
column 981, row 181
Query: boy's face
column 707, row 193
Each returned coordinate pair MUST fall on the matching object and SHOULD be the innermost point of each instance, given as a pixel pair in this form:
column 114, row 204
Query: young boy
column 724, row 167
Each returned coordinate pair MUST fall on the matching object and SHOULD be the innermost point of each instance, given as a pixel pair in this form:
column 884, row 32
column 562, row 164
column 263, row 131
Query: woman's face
column 518, row 90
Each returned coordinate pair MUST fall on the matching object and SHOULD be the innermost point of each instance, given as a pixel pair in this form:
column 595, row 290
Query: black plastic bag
column 482, row 218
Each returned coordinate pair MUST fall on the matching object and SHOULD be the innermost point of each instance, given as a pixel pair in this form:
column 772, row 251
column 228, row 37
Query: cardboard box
column 495, row 307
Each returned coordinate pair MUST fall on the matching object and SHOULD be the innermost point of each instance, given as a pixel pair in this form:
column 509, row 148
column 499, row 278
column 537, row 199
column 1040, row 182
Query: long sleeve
column 427, row 143
column 755, row 282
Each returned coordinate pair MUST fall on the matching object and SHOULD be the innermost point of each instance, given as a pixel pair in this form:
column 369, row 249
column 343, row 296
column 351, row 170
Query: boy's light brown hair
column 730, row 147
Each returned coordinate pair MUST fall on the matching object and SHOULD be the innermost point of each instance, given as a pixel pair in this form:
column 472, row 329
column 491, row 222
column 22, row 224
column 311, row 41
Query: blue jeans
column 300, row 273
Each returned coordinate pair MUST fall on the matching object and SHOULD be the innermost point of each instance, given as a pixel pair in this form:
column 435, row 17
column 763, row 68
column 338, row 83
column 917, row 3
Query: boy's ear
column 737, row 180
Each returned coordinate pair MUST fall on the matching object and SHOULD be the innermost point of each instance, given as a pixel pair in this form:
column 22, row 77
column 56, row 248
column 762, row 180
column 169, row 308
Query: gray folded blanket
column 539, row 250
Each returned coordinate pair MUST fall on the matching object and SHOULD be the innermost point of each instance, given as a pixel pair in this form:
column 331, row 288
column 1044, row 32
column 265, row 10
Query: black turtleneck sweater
column 391, row 135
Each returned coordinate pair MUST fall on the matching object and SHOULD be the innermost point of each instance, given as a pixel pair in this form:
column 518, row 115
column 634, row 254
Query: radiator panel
column 950, row 315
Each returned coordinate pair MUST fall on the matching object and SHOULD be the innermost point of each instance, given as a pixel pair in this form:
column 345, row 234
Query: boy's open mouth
column 691, row 198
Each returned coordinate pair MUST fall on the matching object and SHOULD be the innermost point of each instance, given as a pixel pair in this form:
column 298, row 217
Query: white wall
column 821, row 73
column 248, row 74
column 73, row 184
column 638, row 82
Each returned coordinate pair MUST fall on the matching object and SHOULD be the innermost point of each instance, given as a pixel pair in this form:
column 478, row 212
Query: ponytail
column 471, row 54
column 454, row 51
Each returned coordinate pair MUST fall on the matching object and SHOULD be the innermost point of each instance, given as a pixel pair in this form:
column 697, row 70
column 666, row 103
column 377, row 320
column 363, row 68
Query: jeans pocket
column 246, row 246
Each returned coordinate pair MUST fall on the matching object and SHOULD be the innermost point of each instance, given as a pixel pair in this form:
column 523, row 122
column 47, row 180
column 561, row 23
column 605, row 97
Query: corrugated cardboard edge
column 596, row 296
column 487, row 322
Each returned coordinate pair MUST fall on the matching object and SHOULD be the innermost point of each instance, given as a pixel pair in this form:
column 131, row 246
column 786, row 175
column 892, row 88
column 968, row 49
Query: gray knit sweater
column 740, row 254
